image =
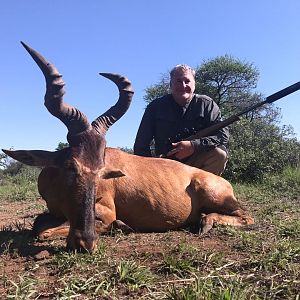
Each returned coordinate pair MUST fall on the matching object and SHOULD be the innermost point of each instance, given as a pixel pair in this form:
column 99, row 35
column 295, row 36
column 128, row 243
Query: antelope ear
column 36, row 157
column 107, row 173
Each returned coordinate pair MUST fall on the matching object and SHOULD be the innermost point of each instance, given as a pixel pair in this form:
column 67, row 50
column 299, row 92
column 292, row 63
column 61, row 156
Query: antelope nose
column 89, row 246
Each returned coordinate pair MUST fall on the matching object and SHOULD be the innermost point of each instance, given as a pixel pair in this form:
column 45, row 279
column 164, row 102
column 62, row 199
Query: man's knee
column 220, row 155
column 213, row 160
column 216, row 161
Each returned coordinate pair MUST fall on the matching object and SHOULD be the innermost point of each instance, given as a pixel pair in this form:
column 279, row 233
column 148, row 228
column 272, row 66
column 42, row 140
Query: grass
column 23, row 288
column 22, row 186
column 16, row 192
column 93, row 286
column 213, row 289
column 259, row 262
column 132, row 274
column 285, row 185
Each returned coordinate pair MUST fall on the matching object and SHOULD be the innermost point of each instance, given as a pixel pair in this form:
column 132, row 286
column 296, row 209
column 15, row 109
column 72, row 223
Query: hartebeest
column 88, row 187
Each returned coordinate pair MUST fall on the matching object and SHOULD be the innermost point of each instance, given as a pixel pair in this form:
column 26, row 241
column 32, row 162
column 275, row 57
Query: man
column 178, row 115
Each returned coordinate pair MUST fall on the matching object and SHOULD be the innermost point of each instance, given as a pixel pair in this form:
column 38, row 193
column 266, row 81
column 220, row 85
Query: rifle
column 270, row 99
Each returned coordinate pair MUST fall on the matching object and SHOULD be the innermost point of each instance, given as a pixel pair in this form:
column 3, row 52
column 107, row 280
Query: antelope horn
column 107, row 119
column 75, row 121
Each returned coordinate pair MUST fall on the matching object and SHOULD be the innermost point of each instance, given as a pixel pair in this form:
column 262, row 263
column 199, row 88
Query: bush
column 18, row 182
column 258, row 148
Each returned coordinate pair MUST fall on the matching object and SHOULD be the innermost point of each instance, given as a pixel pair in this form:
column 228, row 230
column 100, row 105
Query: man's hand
column 181, row 150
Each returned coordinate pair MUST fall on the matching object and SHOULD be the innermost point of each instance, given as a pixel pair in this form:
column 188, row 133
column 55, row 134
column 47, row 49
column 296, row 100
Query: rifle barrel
column 284, row 92
column 274, row 97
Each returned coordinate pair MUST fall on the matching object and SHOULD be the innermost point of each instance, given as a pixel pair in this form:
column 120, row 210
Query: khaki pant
column 213, row 161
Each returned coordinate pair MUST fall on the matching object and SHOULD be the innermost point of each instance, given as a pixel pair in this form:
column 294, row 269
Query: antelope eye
column 71, row 175
column 73, row 170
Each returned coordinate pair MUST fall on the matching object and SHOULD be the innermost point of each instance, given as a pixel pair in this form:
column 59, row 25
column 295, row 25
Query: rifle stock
column 270, row 99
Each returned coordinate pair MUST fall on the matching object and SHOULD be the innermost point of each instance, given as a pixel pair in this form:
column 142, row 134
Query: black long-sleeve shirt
column 164, row 118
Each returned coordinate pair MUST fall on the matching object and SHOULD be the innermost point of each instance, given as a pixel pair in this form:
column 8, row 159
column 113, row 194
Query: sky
column 139, row 39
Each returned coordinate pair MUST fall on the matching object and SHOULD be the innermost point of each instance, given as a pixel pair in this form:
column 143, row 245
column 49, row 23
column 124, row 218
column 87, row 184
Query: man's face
column 182, row 86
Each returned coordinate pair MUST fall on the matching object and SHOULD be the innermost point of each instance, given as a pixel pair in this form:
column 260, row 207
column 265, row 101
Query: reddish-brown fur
column 154, row 195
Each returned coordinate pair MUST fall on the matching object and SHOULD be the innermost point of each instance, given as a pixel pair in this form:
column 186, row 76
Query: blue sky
column 139, row 39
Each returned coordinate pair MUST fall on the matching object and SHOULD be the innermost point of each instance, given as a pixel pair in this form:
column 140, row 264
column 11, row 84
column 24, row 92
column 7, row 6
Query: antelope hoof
column 118, row 224
column 205, row 229
column 205, row 226
column 45, row 235
column 248, row 221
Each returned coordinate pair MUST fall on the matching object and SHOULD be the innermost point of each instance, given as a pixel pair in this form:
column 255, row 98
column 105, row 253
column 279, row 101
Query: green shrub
column 258, row 149
column 19, row 182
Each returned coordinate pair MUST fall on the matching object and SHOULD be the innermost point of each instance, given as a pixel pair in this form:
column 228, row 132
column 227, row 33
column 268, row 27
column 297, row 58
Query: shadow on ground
column 22, row 243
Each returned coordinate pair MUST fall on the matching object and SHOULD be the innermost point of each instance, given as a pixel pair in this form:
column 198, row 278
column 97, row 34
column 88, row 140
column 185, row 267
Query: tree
column 225, row 78
column 157, row 90
column 126, row 149
column 62, row 145
column 258, row 145
column 3, row 158
column 231, row 83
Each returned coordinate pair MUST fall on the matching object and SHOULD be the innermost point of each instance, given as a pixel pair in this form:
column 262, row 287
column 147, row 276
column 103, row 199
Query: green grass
column 213, row 289
column 18, row 192
column 22, row 186
column 285, row 185
column 92, row 286
column 23, row 288
column 64, row 262
column 132, row 274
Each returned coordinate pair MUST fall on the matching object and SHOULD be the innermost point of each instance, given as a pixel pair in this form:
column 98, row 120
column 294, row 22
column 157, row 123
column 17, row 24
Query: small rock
column 42, row 255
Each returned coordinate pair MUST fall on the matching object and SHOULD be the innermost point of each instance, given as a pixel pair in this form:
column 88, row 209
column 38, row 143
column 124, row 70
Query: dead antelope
column 88, row 188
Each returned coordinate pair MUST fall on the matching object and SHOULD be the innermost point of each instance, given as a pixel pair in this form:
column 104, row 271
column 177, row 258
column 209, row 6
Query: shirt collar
column 184, row 107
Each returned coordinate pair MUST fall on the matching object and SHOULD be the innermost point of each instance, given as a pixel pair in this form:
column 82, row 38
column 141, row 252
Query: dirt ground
column 16, row 219
column 21, row 253
column 20, row 212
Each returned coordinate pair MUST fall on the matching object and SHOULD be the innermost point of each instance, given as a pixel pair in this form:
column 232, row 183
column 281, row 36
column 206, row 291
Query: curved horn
column 74, row 120
column 107, row 119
